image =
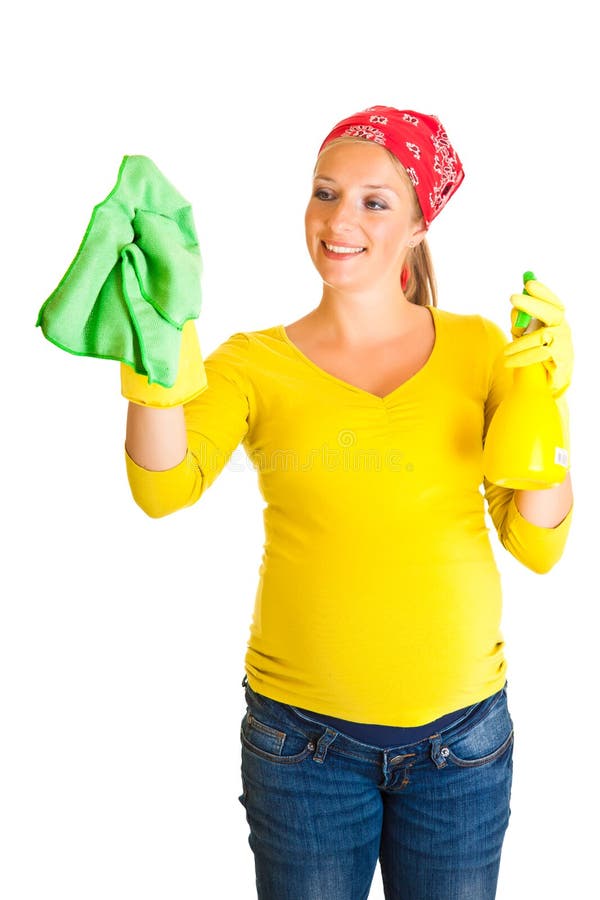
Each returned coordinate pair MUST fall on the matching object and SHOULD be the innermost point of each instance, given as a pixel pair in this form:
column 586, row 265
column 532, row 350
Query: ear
column 419, row 233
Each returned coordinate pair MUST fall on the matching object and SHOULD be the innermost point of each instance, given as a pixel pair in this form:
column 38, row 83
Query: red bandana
column 419, row 142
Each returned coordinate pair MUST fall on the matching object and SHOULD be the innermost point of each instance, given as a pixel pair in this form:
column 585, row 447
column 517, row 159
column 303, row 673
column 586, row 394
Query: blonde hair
column 422, row 287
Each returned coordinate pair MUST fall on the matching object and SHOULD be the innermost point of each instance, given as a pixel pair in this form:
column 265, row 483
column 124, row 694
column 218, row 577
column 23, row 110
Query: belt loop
column 438, row 753
column 323, row 744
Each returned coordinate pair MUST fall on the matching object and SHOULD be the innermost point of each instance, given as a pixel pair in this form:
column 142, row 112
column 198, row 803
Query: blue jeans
column 323, row 808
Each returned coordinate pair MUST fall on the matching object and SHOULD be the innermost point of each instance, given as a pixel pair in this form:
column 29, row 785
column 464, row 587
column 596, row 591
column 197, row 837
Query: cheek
column 312, row 229
column 310, row 233
column 310, row 219
column 394, row 239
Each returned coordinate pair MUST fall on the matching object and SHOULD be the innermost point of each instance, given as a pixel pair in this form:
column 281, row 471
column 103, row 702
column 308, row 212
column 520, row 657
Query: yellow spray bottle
column 525, row 443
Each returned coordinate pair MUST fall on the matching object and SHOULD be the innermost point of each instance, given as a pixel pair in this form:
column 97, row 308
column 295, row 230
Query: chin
column 333, row 274
column 350, row 285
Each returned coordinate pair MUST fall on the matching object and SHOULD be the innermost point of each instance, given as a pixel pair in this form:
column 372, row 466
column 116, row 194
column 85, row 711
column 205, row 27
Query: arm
column 155, row 439
column 547, row 508
column 156, row 436
column 173, row 455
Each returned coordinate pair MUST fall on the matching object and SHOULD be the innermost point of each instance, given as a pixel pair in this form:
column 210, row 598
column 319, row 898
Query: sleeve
column 217, row 420
column 536, row 546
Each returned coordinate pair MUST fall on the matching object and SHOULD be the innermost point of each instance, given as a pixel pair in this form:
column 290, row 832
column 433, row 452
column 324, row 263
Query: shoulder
column 249, row 344
column 246, row 339
column 243, row 352
column 472, row 329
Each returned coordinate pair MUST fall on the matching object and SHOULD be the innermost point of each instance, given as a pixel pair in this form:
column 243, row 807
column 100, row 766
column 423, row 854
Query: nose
column 341, row 218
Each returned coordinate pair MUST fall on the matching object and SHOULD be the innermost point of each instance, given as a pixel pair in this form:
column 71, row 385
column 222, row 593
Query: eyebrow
column 372, row 187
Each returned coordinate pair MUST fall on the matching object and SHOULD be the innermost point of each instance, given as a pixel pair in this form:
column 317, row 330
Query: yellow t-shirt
column 379, row 599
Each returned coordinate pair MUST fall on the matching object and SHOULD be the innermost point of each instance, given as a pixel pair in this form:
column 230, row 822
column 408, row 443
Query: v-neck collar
column 419, row 373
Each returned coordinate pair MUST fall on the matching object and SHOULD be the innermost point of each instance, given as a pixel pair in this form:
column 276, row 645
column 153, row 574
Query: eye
column 323, row 194
column 376, row 204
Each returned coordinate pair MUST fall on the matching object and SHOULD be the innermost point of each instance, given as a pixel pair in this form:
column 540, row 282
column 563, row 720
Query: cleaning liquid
column 525, row 443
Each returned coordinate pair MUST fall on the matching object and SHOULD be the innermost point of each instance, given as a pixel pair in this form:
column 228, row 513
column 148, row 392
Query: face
column 360, row 218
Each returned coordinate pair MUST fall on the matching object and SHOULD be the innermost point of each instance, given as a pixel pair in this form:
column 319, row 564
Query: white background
column 123, row 638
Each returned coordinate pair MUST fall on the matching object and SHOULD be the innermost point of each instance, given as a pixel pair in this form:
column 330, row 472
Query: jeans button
column 444, row 751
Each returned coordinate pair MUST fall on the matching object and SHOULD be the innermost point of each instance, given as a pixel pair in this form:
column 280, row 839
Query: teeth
column 335, row 249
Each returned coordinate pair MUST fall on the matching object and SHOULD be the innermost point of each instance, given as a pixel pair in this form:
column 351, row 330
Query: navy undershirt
column 386, row 735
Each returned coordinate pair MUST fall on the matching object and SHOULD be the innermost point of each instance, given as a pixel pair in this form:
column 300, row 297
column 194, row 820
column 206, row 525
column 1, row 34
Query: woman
column 377, row 724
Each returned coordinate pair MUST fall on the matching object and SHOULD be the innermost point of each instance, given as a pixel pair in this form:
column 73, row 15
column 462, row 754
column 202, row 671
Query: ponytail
column 421, row 288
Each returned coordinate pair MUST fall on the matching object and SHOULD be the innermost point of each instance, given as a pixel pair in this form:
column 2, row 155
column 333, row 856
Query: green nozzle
column 523, row 319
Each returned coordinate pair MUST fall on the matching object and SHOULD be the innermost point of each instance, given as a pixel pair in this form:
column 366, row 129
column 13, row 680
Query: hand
column 191, row 377
column 549, row 344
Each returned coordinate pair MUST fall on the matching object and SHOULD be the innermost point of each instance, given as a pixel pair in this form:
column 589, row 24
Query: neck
column 364, row 318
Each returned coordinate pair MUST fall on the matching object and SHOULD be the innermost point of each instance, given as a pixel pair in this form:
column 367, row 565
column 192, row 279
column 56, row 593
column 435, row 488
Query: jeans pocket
column 486, row 740
column 273, row 744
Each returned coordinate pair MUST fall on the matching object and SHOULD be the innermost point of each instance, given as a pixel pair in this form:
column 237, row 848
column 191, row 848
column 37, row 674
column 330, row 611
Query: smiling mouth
column 343, row 251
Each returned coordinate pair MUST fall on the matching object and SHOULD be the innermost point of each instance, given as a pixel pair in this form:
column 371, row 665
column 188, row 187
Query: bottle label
column 561, row 457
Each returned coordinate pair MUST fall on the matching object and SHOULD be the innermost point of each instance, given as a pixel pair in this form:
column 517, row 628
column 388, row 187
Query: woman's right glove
column 134, row 288
column 191, row 377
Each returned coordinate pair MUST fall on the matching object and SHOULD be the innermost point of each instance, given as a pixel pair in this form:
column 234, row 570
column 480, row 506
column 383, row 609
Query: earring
column 411, row 244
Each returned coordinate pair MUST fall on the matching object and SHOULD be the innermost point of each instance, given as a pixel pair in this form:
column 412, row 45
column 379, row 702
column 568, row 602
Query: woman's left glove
column 549, row 344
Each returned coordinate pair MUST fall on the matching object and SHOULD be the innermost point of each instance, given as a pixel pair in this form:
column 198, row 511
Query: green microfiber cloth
column 135, row 280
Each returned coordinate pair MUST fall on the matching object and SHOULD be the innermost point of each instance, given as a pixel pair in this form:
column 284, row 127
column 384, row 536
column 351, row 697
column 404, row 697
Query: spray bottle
column 525, row 443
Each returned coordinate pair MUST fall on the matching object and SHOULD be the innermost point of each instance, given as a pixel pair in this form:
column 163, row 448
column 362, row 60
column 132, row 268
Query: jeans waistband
column 343, row 742
column 386, row 735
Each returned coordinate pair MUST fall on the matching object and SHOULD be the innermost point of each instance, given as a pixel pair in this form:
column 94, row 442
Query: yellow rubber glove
column 191, row 377
column 549, row 344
